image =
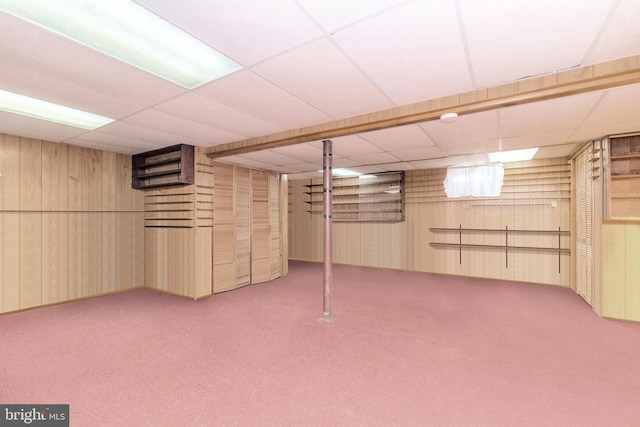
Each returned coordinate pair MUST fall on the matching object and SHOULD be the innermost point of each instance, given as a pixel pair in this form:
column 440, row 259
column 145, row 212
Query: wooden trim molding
column 574, row 81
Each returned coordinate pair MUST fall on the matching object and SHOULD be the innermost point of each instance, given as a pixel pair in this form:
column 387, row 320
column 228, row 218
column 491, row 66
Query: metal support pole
column 328, row 246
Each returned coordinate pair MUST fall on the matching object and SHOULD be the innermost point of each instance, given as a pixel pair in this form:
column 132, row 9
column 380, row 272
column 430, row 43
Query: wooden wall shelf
column 506, row 247
column 167, row 166
column 370, row 198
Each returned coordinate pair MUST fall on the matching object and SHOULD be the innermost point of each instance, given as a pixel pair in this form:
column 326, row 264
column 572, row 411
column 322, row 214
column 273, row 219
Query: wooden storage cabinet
column 167, row 166
column 624, row 184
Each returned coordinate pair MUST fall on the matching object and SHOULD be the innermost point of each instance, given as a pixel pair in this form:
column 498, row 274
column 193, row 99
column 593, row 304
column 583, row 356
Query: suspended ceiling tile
column 144, row 135
column 41, row 86
column 597, row 132
column 535, row 140
column 485, row 146
column 247, row 92
column 242, row 160
column 399, row 138
column 345, row 163
column 347, row 146
column 248, row 31
column 334, row 14
column 170, row 124
column 29, row 127
column 198, row 108
column 398, row 166
column 302, row 167
column 551, row 115
column 419, row 154
column 617, row 105
column 558, row 151
column 306, row 152
column 374, row 159
column 114, row 143
column 413, row 52
column 268, row 156
column 620, row 37
column 322, row 76
column 31, row 47
column 466, row 129
column 451, row 161
column 511, row 39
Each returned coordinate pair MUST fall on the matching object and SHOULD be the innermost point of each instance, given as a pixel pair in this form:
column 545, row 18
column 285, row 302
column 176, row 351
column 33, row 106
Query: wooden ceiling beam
column 574, row 81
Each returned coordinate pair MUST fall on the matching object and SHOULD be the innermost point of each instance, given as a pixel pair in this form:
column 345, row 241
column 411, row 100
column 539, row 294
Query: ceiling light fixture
column 129, row 32
column 449, row 117
column 513, row 155
column 32, row 107
column 343, row 173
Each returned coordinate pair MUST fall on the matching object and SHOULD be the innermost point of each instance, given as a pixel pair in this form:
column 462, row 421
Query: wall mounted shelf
column 372, row 198
column 506, row 247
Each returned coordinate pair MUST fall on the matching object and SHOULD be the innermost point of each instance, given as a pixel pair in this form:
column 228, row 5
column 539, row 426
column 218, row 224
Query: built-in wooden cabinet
column 624, row 177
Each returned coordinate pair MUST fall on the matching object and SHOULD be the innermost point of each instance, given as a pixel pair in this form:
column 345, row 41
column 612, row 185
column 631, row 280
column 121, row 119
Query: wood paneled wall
column 535, row 196
column 179, row 234
column 70, row 224
column 621, row 270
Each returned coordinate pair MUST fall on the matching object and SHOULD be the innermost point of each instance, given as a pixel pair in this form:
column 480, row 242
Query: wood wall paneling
column 9, row 223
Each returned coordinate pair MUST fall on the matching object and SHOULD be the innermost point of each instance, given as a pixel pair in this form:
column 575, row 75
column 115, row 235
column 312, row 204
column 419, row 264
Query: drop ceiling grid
column 181, row 127
column 322, row 76
column 398, row 138
column 247, row 31
column 27, row 82
column 251, row 94
column 211, row 113
column 512, row 40
column 38, row 50
column 620, row 36
column 333, row 15
column 412, row 52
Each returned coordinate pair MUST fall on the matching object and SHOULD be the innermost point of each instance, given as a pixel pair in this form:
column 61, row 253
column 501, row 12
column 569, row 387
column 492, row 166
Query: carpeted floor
column 405, row 349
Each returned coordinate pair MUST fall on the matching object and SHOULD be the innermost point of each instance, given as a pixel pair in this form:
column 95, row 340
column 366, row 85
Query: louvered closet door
column 584, row 226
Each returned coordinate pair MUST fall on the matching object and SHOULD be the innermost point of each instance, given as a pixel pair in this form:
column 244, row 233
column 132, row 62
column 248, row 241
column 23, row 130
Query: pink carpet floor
column 405, row 349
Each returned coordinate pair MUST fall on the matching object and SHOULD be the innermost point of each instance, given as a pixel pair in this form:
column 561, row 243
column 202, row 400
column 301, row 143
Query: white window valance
column 477, row 181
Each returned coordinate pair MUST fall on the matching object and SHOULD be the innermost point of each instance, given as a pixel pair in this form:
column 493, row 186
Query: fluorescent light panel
column 513, row 155
column 32, row 107
column 129, row 32
column 342, row 172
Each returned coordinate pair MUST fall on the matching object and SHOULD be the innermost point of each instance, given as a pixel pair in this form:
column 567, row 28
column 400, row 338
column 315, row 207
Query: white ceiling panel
column 206, row 111
column 334, row 14
column 431, row 62
column 419, row 154
column 399, row 138
column 246, row 30
column 347, row 146
column 306, row 152
column 621, row 36
column 535, row 140
column 617, row 105
column 30, row 46
column 485, row 146
column 513, row 39
column 269, row 156
column 247, row 92
column 466, row 129
column 145, row 135
column 375, row 159
column 118, row 144
column 550, row 115
column 41, row 86
column 16, row 124
column 321, row 75
column 587, row 133
column 165, row 122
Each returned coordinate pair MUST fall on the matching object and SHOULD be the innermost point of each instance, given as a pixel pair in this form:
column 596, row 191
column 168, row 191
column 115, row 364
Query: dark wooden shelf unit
column 164, row 167
column 624, row 177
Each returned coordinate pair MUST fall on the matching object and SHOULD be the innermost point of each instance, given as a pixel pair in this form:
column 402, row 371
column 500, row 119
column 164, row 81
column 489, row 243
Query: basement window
column 475, row 181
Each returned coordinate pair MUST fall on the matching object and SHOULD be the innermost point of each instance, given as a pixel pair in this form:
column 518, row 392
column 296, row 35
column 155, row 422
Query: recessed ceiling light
column 129, row 32
column 342, row 172
column 449, row 117
column 513, row 155
column 32, row 107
